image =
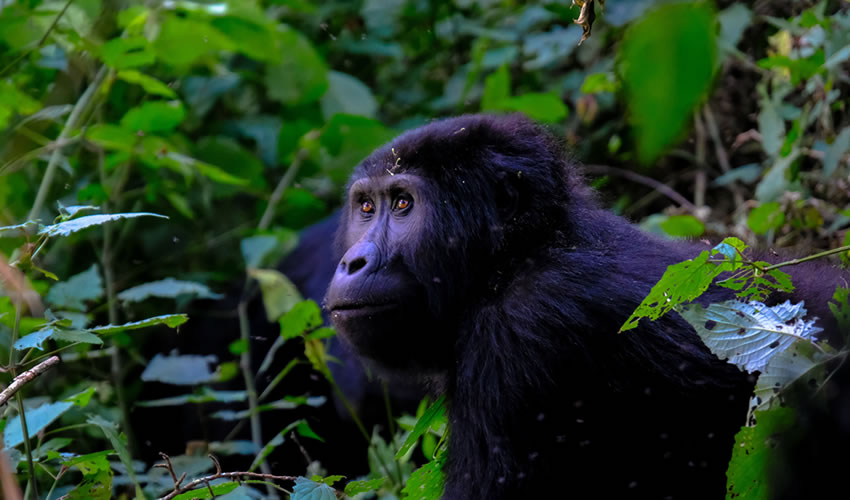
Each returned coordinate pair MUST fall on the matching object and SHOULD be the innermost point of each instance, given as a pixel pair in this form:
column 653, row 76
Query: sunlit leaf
column 72, row 226
column 749, row 334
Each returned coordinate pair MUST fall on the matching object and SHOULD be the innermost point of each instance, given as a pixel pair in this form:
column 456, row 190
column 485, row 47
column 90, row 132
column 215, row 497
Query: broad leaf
column 680, row 36
column 77, row 290
column 748, row 475
column 306, row 489
column 749, row 335
column 168, row 288
column 365, row 486
column 426, row 482
column 279, row 294
column 169, row 320
column 72, row 226
column 37, row 419
column 303, row 317
column 188, row 369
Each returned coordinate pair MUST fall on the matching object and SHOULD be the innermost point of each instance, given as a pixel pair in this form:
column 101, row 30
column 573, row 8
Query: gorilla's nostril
column 356, row 265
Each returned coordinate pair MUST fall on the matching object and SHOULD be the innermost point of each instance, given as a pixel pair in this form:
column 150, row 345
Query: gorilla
column 473, row 258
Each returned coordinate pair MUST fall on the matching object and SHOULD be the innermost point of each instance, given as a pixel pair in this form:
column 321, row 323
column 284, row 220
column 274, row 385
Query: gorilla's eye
column 367, row 207
column 402, row 203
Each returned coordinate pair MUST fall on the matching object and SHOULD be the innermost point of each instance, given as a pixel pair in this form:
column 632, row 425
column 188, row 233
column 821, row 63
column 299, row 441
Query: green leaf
column 112, row 137
column 81, row 399
column 305, row 489
column 303, row 429
column 775, row 181
column 72, row 226
column 168, row 288
column 37, row 420
column 348, row 95
column 683, row 226
column 204, row 491
column 661, row 101
column 97, row 476
column 344, row 142
column 497, row 88
column 595, row 83
column 130, row 52
column 835, row 151
column 279, row 294
column 110, row 430
column 150, row 84
column 747, row 174
column 272, row 445
column 748, row 475
column 365, row 486
column 169, row 320
column 187, row 369
column 154, row 116
column 434, row 415
column 840, row 308
column 681, row 283
column 328, row 480
column 301, row 318
column 206, row 395
column 77, row 290
column 548, row 108
column 426, row 482
column 302, row 76
column 765, row 217
column 734, row 20
column 253, row 39
column 183, row 41
column 265, row 249
column 749, row 334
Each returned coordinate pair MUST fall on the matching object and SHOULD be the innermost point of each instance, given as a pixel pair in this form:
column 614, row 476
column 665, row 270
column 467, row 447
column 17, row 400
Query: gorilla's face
column 376, row 301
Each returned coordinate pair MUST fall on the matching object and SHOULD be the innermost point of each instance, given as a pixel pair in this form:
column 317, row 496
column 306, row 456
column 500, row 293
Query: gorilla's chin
column 390, row 337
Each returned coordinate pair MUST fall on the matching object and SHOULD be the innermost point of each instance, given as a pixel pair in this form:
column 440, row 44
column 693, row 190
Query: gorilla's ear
column 508, row 195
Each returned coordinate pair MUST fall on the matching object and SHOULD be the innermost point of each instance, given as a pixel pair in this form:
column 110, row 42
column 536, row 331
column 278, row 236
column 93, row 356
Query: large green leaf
column 667, row 62
column 37, row 419
column 77, row 290
column 187, row 369
column 302, row 76
column 154, row 116
column 306, row 489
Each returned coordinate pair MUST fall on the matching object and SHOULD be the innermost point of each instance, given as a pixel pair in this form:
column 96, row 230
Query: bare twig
column 206, row 480
column 26, row 377
column 794, row 262
column 642, row 179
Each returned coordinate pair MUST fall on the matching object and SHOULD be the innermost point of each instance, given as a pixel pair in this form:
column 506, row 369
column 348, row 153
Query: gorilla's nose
column 360, row 259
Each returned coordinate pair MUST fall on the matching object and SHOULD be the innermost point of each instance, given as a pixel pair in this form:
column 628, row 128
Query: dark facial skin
column 375, row 301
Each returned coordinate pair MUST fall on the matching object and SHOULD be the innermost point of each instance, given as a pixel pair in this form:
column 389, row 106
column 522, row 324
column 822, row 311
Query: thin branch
column 70, row 125
column 205, row 481
column 642, row 179
column 284, row 183
column 701, row 179
column 720, row 152
column 40, row 42
column 794, row 262
column 26, row 377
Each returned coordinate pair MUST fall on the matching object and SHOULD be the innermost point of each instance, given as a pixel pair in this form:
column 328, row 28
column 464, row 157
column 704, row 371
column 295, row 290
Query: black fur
column 522, row 282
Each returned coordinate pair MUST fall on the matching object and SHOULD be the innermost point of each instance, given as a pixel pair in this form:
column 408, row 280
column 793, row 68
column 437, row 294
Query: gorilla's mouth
column 354, row 308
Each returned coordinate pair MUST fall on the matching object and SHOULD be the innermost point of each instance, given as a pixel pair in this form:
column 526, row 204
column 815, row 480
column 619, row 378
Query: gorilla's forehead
column 385, row 184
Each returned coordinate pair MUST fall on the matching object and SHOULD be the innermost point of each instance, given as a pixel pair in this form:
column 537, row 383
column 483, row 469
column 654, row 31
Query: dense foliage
column 156, row 152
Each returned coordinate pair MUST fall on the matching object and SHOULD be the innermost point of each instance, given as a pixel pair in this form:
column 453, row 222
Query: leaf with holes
column 749, row 335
